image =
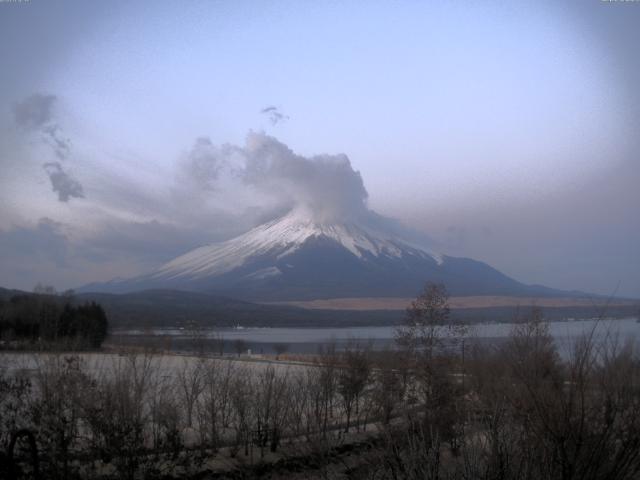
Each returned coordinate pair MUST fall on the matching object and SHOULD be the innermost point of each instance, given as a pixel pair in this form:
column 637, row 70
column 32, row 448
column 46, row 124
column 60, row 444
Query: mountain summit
column 296, row 257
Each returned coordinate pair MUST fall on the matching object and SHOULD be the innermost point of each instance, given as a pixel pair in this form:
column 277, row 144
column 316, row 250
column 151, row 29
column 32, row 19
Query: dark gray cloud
column 53, row 137
column 155, row 241
column 150, row 241
column 45, row 242
column 62, row 183
column 35, row 111
column 35, row 114
column 53, row 253
column 60, row 254
column 274, row 115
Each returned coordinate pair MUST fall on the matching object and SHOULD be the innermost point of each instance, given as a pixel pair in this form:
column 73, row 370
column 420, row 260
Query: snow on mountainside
column 297, row 258
column 282, row 237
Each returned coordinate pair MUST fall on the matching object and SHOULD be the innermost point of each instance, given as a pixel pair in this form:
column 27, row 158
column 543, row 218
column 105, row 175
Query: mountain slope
column 295, row 257
column 281, row 238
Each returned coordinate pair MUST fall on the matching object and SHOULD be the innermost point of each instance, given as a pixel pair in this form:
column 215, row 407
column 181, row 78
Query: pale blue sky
column 507, row 131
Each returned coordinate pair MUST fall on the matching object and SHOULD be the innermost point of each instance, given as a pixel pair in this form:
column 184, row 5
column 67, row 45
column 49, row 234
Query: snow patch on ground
column 265, row 273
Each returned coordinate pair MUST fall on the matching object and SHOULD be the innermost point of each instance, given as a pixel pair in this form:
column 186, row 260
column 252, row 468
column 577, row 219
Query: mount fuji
column 297, row 257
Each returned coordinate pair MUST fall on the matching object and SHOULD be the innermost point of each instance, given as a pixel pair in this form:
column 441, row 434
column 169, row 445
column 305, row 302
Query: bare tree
column 299, row 404
column 280, row 348
column 240, row 346
column 389, row 389
column 214, row 406
column 427, row 338
column 190, row 379
column 60, row 382
column 117, row 414
column 353, row 376
column 217, row 344
column 242, row 403
column 271, row 408
column 428, row 324
column 197, row 335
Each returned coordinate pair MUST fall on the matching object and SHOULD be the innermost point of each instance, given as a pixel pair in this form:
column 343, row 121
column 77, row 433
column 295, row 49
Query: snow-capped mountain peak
column 282, row 237
column 297, row 257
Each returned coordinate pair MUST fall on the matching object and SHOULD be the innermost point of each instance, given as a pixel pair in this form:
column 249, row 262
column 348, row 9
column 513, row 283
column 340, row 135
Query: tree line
column 45, row 318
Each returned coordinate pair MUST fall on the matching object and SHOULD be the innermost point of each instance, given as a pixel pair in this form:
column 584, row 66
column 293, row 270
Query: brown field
column 394, row 303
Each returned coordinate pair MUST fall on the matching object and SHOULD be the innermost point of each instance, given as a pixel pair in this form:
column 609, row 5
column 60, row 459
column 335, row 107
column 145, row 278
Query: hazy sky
column 506, row 131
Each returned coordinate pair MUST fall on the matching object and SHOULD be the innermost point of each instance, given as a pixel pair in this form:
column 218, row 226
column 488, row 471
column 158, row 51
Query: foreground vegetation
column 437, row 407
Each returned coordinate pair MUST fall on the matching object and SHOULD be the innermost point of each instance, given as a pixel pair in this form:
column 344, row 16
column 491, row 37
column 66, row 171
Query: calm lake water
column 304, row 340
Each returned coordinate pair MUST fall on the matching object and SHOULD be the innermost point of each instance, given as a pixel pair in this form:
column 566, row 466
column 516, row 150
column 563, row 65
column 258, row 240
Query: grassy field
column 393, row 303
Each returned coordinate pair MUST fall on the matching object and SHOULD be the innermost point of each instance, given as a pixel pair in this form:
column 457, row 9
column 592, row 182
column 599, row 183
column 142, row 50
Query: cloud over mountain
column 35, row 115
column 325, row 186
column 209, row 193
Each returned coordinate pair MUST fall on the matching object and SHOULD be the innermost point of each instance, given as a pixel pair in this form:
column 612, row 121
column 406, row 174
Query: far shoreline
column 459, row 302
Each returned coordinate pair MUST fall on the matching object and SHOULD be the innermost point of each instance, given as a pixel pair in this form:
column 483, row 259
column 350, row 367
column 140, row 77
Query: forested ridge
column 46, row 318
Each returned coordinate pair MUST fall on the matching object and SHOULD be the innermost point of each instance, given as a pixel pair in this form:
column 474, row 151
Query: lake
column 308, row 340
